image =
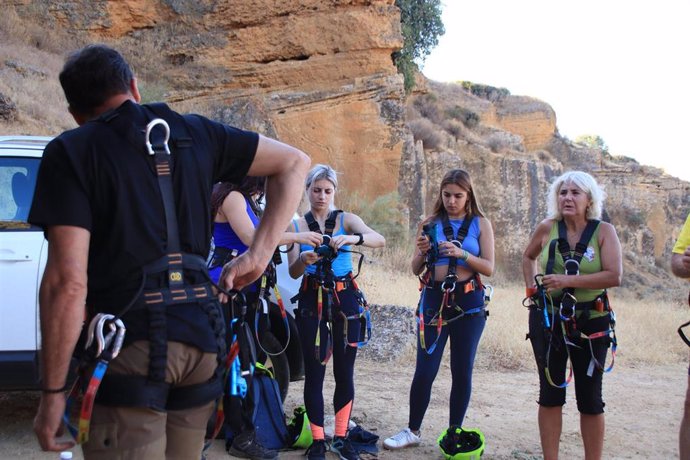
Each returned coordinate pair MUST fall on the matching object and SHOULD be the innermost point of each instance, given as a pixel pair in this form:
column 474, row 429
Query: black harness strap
column 324, row 266
column 156, row 393
column 460, row 238
column 571, row 259
column 571, row 263
column 329, row 224
column 580, row 247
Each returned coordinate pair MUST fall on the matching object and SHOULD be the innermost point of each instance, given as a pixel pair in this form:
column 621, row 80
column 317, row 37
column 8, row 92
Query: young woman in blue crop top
column 456, row 202
column 349, row 230
column 235, row 217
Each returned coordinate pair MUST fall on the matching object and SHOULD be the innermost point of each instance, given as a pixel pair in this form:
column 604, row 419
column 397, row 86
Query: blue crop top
column 470, row 244
column 224, row 236
column 342, row 264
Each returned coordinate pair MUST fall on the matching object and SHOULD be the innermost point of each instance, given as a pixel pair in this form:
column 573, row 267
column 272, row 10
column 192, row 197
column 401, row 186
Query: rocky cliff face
column 514, row 151
column 316, row 74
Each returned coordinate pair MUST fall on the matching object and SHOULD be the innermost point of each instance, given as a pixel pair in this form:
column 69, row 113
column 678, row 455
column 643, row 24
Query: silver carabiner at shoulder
column 152, row 124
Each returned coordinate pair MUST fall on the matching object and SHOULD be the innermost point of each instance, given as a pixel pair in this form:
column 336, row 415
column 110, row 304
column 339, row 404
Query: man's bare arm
column 286, row 168
column 62, row 298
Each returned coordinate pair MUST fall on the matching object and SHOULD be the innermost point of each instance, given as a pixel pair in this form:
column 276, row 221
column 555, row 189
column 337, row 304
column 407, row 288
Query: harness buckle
column 572, row 267
column 152, row 124
column 567, row 308
column 449, row 283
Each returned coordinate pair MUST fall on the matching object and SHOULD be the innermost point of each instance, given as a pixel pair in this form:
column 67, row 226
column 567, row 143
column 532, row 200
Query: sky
column 613, row 68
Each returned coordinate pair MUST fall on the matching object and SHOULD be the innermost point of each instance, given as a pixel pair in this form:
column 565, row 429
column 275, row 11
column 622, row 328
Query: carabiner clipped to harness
column 488, row 293
column 108, row 346
column 567, row 307
column 572, row 267
column 449, row 283
column 152, row 147
column 111, row 342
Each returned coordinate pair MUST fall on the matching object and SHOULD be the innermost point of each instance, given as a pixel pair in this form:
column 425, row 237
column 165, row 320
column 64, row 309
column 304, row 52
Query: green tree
column 421, row 26
column 593, row 141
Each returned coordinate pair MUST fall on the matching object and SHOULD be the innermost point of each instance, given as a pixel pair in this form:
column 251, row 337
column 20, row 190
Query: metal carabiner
column 119, row 338
column 153, row 123
column 96, row 331
column 264, row 305
column 490, row 294
column 570, row 302
column 113, row 338
column 449, row 281
column 572, row 267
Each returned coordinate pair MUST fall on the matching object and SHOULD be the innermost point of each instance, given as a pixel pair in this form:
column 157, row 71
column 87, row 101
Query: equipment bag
column 269, row 418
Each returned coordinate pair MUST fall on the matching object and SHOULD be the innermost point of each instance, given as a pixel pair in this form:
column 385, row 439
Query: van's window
column 17, row 183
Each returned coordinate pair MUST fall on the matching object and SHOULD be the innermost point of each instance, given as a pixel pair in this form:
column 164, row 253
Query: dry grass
column 646, row 329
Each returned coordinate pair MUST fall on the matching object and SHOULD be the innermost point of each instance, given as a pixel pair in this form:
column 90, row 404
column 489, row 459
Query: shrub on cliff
column 421, row 26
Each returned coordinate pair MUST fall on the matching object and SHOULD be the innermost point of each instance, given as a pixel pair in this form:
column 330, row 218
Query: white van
column 23, row 253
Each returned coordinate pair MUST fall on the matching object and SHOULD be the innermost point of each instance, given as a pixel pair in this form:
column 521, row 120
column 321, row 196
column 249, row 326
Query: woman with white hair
column 329, row 314
column 579, row 258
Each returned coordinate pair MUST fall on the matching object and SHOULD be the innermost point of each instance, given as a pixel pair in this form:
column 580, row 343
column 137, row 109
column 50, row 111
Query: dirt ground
column 642, row 414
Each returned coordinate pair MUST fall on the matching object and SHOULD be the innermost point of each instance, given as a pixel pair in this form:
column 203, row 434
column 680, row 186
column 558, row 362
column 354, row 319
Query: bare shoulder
column 544, row 226
column 606, row 229
column 484, row 221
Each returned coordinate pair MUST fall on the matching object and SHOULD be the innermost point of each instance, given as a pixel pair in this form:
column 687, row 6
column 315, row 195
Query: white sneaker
column 406, row 438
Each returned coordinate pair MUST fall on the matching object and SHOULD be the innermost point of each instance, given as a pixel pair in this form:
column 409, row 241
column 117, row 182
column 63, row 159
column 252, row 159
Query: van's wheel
column 278, row 364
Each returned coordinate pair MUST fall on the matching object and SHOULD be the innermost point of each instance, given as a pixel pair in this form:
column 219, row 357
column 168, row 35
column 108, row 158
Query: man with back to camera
column 680, row 265
column 129, row 231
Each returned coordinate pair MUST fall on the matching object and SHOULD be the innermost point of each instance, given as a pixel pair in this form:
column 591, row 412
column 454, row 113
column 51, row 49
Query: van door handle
column 14, row 257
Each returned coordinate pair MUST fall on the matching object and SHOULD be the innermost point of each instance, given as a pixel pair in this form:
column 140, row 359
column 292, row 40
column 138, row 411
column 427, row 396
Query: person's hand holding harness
column 309, row 238
column 309, row 257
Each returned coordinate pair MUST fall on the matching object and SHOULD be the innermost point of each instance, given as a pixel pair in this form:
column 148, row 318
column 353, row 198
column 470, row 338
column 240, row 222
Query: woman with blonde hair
column 329, row 308
column 570, row 261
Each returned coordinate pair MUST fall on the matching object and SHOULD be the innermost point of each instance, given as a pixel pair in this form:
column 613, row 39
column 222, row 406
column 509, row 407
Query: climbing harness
column 105, row 334
column 449, row 286
column 325, row 281
column 570, row 322
column 269, row 281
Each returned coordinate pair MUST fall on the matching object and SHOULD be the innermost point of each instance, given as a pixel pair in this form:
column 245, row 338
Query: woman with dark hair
column 455, row 244
column 329, row 309
column 236, row 213
column 574, row 258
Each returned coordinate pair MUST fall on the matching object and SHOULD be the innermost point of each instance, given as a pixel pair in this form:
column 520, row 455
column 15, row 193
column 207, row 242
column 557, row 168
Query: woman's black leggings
column 464, row 334
column 587, row 388
column 343, row 356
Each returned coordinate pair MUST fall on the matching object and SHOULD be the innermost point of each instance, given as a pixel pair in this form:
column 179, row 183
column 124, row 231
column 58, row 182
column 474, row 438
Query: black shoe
column 245, row 445
column 317, row 450
column 343, row 447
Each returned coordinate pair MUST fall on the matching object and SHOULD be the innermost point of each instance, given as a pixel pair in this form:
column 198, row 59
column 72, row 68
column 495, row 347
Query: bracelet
column 361, row 239
column 54, row 390
column 530, row 291
column 465, row 255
